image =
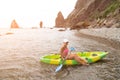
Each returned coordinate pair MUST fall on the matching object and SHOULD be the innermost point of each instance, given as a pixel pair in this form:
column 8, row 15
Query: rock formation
column 59, row 22
column 14, row 24
column 98, row 13
column 41, row 24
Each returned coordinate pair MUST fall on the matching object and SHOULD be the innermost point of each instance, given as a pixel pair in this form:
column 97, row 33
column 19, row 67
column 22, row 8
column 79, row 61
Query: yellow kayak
column 91, row 57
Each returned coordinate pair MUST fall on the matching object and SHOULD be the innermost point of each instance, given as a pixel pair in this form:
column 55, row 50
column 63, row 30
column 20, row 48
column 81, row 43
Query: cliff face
column 87, row 12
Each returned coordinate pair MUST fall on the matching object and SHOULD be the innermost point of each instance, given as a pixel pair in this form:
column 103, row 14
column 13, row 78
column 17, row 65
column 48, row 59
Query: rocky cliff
column 94, row 13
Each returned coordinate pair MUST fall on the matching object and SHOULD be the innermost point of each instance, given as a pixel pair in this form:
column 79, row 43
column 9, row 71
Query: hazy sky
column 28, row 13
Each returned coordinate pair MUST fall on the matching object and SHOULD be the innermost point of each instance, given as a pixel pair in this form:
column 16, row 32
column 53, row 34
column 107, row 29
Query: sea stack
column 59, row 22
column 14, row 24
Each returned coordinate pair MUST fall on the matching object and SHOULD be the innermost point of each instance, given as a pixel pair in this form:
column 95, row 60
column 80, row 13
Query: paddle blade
column 72, row 49
column 59, row 68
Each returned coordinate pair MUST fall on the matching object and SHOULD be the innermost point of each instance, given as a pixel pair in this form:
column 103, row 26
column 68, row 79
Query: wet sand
column 20, row 53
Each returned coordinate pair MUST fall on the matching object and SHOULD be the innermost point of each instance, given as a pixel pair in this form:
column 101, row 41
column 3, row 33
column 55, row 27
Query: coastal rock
column 81, row 25
column 117, row 25
column 59, row 22
column 41, row 24
column 14, row 24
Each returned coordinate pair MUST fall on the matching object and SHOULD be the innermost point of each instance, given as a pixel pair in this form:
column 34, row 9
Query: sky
column 29, row 13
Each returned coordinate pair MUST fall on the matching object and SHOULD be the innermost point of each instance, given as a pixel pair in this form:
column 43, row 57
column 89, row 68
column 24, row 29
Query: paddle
column 61, row 65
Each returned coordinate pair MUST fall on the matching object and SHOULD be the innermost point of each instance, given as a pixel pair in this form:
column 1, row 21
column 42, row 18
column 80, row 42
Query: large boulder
column 81, row 25
column 59, row 22
column 14, row 24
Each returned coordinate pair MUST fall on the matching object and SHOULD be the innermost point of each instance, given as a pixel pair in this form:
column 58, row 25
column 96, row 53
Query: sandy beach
column 21, row 49
column 110, row 36
column 109, row 33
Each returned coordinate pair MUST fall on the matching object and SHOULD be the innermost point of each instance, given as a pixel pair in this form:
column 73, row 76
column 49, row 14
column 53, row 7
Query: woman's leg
column 77, row 58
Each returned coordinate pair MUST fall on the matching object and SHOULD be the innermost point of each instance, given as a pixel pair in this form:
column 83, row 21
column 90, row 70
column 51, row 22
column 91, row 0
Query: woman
column 64, row 54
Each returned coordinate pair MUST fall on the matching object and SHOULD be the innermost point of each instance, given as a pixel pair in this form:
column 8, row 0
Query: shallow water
column 20, row 53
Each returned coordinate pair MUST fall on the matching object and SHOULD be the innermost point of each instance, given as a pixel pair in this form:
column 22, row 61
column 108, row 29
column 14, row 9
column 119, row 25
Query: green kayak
column 91, row 57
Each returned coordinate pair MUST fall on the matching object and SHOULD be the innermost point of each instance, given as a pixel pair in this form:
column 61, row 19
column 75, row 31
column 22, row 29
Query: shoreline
column 108, row 36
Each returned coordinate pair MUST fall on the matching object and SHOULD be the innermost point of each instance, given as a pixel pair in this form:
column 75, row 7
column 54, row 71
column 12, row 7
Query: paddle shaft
column 66, row 57
column 60, row 66
column 71, row 49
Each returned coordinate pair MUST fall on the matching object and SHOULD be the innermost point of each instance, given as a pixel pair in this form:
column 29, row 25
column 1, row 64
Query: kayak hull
column 90, row 57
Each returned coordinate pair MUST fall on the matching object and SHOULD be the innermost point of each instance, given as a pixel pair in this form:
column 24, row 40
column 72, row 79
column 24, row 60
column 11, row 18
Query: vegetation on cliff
column 111, row 8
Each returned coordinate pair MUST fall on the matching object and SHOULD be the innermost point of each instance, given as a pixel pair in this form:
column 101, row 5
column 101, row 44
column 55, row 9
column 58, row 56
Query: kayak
column 90, row 57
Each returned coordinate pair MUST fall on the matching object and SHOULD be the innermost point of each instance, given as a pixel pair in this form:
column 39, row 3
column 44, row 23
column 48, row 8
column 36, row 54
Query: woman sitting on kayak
column 64, row 54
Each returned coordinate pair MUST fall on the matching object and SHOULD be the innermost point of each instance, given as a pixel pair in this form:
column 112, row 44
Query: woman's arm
column 61, row 52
